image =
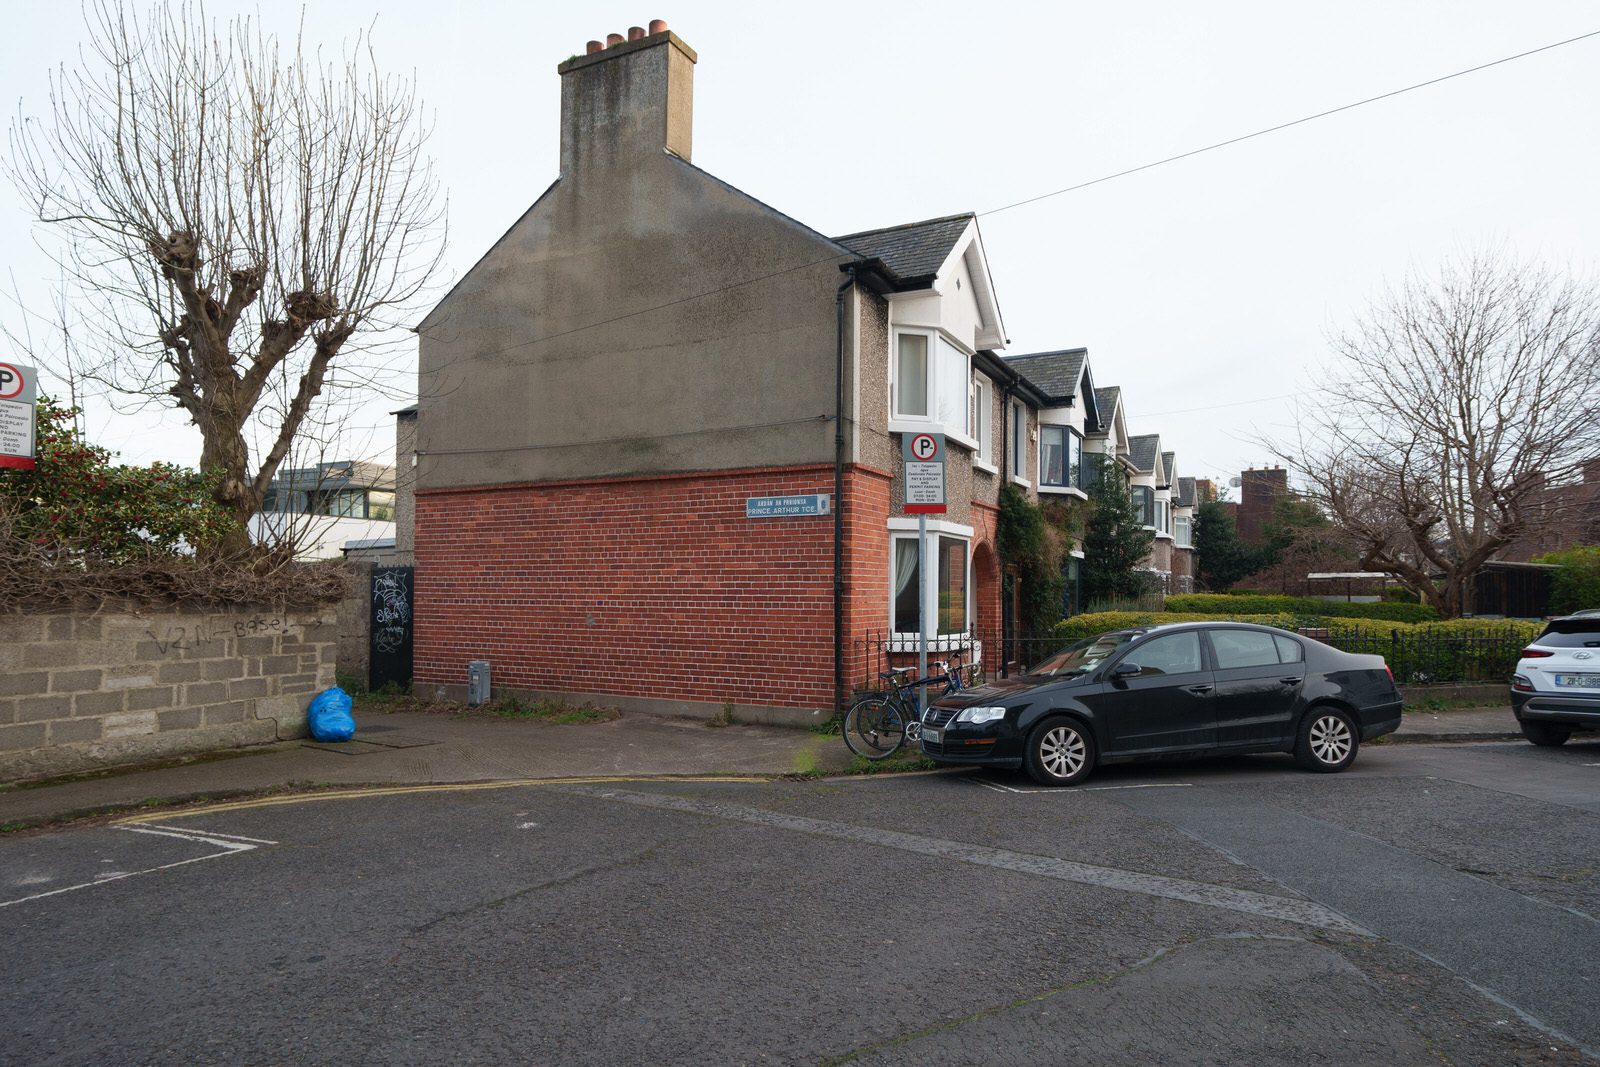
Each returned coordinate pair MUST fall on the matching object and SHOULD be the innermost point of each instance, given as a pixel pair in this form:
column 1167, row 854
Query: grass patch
column 1453, row 703
column 559, row 712
column 899, row 763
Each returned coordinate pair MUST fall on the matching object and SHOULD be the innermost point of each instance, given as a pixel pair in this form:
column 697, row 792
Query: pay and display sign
column 923, row 454
column 18, row 386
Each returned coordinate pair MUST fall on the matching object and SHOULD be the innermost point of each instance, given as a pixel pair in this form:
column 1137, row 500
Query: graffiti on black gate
column 391, row 626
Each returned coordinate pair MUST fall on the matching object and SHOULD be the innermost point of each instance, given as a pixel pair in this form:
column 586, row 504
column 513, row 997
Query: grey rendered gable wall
column 615, row 330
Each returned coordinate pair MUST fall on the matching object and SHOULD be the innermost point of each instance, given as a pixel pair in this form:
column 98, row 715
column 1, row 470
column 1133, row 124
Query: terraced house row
column 657, row 444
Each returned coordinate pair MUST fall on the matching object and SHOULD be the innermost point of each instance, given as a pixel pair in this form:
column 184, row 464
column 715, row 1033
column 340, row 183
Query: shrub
column 1080, row 626
column 1259, row 604
column 1417, row 653
column 1576, row 585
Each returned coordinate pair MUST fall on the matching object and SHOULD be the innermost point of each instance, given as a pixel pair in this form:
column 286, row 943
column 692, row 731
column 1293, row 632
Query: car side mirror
column 1126, row 670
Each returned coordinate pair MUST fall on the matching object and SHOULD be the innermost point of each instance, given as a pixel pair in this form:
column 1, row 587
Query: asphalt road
column 1437, row 904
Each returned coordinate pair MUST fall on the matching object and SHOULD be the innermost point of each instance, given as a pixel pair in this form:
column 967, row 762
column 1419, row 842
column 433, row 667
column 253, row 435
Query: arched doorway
column 986, row 603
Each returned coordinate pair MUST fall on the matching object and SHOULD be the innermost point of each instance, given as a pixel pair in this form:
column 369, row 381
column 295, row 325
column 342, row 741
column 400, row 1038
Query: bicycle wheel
column 875, row 727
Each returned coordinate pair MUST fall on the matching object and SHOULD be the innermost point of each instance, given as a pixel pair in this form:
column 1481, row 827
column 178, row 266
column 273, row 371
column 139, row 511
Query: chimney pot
column 613, row 39
column 635, row 32
column 658, row 26
column 594, row 46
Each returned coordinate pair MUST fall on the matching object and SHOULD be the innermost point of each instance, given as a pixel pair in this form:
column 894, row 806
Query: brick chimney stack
column 631, row 95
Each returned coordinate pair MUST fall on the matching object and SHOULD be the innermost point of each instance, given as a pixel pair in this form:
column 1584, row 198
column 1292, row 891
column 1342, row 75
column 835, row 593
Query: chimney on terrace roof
column 626, row 97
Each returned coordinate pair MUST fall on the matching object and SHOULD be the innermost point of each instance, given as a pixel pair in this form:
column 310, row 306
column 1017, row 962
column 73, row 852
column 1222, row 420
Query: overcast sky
column 1206, row 288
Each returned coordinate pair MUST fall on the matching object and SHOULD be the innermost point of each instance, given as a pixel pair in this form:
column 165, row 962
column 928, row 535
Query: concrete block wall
column 355, row 624
column 84, row 690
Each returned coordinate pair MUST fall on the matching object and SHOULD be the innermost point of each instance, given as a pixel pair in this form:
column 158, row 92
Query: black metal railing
column 994, row 655
column 1424, row 656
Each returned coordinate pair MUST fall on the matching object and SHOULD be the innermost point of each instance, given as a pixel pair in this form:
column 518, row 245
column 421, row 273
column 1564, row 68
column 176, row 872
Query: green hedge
column 1080, row 626
column 1417, row 653
column 1259, row 604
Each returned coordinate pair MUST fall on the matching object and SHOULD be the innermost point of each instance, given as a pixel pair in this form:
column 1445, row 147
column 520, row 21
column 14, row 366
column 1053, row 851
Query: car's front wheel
column 1546, row 734
column 1060, row 752
column 1327, row 741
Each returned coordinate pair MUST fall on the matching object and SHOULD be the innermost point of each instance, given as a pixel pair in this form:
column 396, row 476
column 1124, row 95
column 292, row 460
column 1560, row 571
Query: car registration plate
column 930, row 735
column 1578, row 681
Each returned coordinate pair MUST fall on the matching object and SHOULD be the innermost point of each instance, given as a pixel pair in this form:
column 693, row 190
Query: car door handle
column 1200, row 689
column 1290, row 681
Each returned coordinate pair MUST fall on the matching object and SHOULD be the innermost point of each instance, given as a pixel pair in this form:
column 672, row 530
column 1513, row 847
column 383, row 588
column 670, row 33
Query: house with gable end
column 613, row 397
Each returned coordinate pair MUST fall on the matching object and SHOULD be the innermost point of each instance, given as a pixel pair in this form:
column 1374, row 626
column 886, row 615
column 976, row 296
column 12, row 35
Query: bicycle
column 879, row 724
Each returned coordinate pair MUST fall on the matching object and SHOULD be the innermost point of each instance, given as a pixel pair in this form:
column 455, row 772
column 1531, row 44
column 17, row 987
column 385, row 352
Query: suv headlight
column 979, row 716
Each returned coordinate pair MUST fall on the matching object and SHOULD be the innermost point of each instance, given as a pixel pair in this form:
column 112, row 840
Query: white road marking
column 228, row 843
column 1304, row 912
column 999, row 788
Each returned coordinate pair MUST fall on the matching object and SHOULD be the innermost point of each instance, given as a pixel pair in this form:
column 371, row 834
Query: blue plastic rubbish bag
column 329, row 716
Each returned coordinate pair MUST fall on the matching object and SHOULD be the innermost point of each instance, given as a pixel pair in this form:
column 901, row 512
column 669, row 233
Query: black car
column 1186, row 688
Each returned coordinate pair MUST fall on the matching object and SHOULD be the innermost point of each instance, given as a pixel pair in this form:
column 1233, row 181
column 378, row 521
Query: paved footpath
column 418, row 748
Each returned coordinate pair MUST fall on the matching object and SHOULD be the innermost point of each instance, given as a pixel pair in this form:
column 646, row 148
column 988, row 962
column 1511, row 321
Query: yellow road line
column 402, row 790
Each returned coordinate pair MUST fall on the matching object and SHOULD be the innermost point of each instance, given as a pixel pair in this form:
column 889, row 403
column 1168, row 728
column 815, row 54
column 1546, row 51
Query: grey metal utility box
column 477, row 682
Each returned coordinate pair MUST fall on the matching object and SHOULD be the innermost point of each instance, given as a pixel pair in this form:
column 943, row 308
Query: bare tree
column 1451, row 404
column 238, row 216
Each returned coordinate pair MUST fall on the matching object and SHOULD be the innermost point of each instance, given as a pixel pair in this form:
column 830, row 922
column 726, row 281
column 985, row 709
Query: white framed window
column 911, row 376
column 1163, row 517
column 982, row 417
column 1183, row 531
column 1019, row 441
column 943, row 596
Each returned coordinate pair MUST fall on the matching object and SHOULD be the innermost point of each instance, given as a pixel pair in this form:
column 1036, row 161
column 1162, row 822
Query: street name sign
column 923, row 454
column 18, row 387
column 783, row 507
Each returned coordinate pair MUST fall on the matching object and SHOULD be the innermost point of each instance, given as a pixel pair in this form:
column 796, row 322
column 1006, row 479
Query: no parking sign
column 923, row 454
column 18, row 386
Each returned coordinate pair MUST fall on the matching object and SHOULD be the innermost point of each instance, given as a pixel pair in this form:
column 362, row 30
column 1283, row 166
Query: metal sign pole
column 922, row 636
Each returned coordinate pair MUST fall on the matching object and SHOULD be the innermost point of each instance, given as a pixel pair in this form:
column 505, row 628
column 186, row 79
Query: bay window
column 1060, row 457
column 911, row 377
column 1144, row 501
column 1183, row 531
column 941, row 599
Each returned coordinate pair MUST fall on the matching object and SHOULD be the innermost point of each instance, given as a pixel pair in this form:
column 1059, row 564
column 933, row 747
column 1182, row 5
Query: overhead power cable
column 845, row 257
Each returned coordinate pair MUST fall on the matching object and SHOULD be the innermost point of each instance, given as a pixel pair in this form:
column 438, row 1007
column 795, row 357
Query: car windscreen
column 1570, row 633
column 1082, row 657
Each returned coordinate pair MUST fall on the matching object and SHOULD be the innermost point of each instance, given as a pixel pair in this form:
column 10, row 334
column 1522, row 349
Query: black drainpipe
column 838, row 492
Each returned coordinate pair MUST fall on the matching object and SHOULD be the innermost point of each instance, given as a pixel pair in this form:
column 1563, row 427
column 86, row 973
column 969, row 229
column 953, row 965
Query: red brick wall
column 654, row 587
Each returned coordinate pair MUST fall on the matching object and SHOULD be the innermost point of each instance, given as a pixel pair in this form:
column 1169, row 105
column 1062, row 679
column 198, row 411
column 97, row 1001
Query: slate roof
column 1167, row 464
column 1057, row 374
column 1105, row 400
column 916, row 250
column 1142, row 450
column 1186, row 492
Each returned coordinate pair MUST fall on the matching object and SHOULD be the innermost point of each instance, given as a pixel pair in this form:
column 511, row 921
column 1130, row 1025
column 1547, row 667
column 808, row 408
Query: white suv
column 1556, row 689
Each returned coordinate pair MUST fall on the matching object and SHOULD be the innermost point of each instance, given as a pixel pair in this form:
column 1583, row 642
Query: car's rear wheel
column 1060, row 752
column 1327, row 741
column 1546, row 734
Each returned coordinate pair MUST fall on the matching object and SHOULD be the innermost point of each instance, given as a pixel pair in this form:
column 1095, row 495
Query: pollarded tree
column 238, row 216
column 1451, row 404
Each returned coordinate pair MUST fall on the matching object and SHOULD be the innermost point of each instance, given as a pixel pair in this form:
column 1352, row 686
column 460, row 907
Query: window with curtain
column 907, row 588
column 949, row 593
